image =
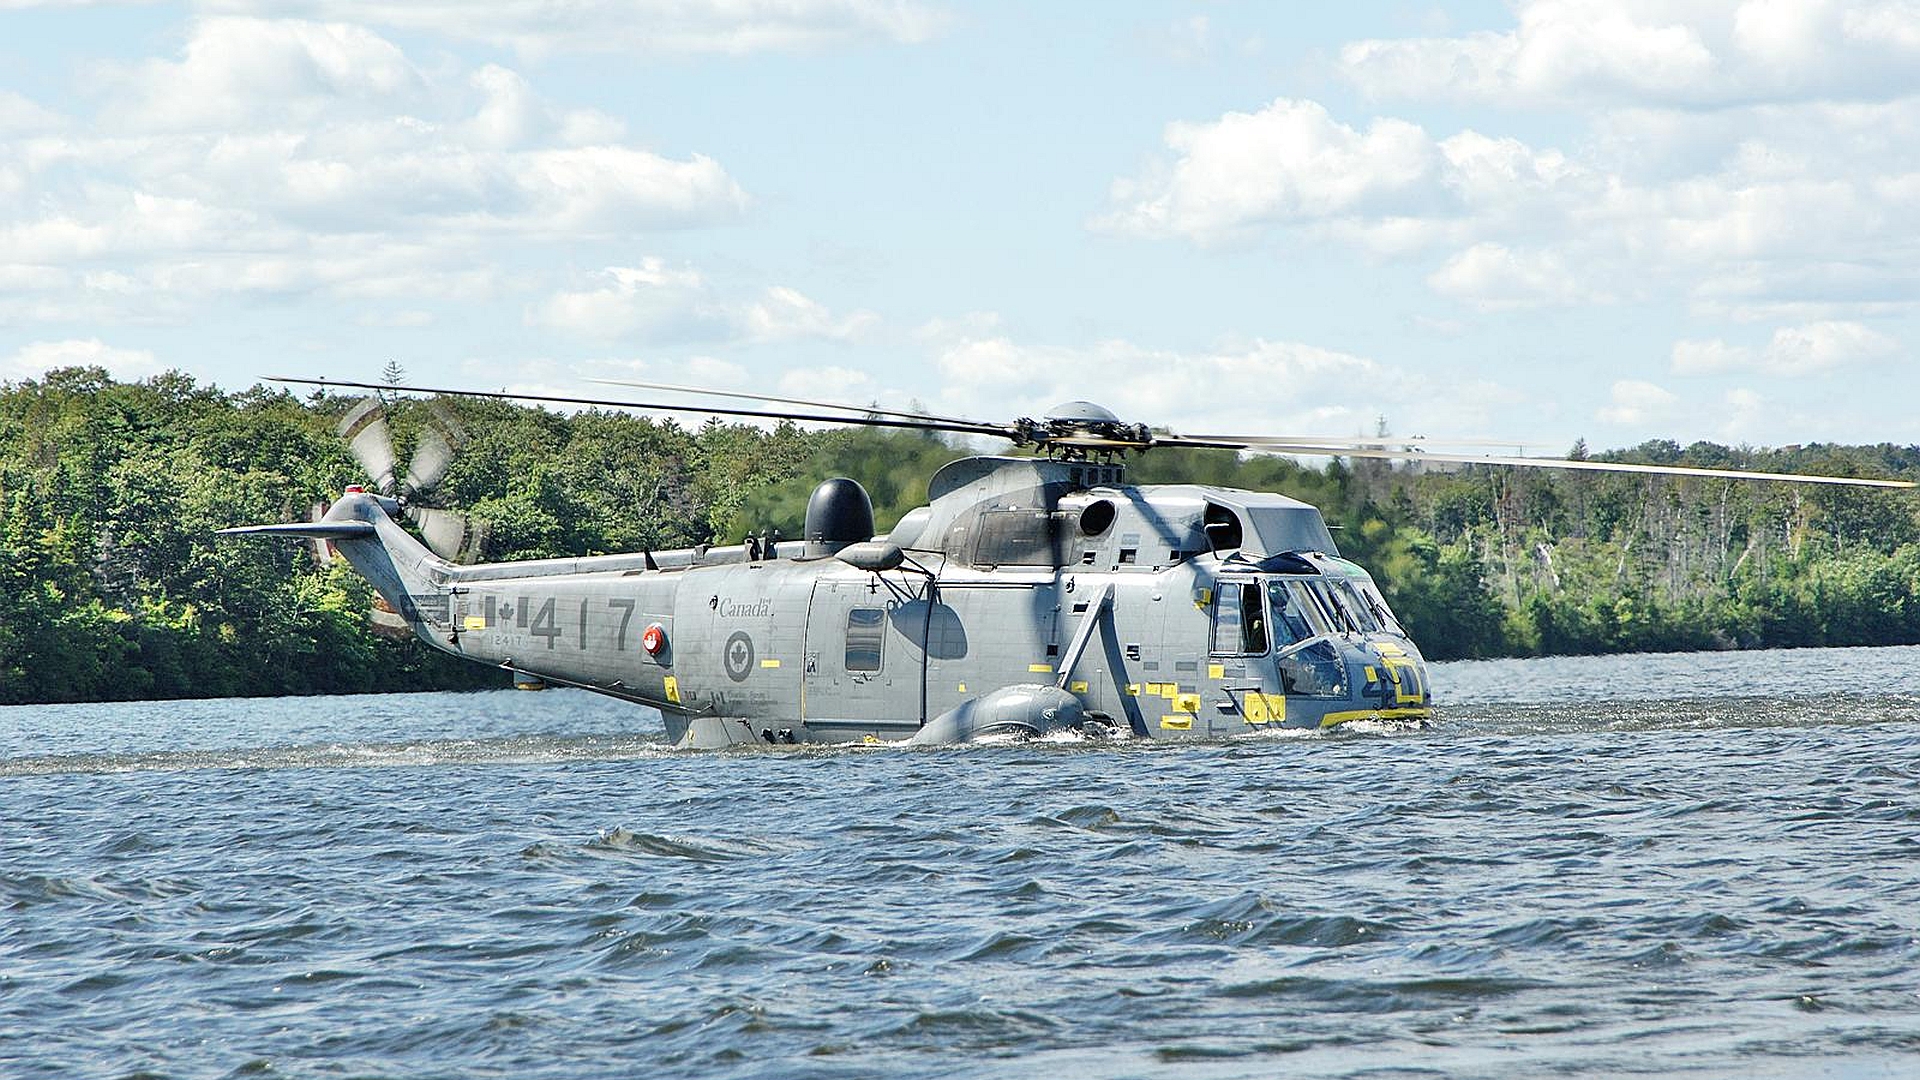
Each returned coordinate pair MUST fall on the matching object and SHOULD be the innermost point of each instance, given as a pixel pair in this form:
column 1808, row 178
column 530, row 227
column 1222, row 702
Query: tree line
column 114, row 586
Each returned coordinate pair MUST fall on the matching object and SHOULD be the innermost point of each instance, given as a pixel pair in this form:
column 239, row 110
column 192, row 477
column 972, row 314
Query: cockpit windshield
column 1290, row 622
column 1307, row 607
column 1358, row 611
column 1370, row 595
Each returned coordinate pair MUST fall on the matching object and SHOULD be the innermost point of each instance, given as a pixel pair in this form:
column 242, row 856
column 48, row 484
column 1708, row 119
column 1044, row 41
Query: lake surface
column 1701, row 865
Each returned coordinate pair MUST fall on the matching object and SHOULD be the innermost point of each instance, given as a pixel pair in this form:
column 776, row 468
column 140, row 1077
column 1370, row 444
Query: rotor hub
column 1077, row 430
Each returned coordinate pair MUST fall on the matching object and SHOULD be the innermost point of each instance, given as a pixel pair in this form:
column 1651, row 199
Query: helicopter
column 1030, row 595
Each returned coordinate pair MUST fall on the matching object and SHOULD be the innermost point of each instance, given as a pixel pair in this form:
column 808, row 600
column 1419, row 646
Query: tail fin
column 410, row 578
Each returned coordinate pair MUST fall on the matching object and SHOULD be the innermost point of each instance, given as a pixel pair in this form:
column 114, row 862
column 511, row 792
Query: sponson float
column 1030, row 595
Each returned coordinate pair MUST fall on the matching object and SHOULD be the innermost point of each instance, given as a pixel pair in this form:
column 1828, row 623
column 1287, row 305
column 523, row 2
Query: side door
column 1237, row 650
column 851, row 674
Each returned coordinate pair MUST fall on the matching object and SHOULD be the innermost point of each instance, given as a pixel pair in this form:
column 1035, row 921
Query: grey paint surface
column 758, row 650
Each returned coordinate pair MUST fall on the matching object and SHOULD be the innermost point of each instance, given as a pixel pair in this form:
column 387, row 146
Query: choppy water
column 1696, row 865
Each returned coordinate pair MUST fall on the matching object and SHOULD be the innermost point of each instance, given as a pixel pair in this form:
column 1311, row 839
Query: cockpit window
column 1337, row 613
column 1239, row 619
column 1359, row 612
column 1371, row 594
column 1307, row 603
column 1289, row 620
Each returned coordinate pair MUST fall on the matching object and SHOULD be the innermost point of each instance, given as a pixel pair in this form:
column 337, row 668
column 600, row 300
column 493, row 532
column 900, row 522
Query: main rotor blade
column 1402, row 441
column 968, row 427
column 745, row 396
column 1577, row 465
column 1331, row 445
column 370, row 442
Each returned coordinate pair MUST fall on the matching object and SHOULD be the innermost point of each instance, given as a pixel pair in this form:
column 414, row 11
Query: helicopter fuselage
column 1046, row 589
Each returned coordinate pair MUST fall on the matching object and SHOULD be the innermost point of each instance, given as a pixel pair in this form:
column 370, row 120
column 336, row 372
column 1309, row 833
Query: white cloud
column 1710, row 357
column 289, row 156
column 239, row 71
column 1815, row 348
column 1392, row 188
column 783, row 314
column 1493, row 277
column 1787, row 198
column 20, row 115
column 651, row 300
column 836, row 384
column 1290, row 161
column 1249, row 388
column 656, row 302
column 36, row 359
column 734, row 27
column 1742, row 416
column 1634, row 403
column 1738, row 212
column 1653, row 52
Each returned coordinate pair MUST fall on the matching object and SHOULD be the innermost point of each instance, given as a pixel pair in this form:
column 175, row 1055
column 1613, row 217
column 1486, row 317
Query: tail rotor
column 448, row 533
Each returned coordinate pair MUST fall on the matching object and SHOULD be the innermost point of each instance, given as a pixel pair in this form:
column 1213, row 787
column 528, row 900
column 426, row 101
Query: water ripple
column 1589, row 867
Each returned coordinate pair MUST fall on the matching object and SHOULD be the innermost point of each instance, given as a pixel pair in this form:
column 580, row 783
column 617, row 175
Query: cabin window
column 1289, row 619
column 864, row 635
column 1239, row 619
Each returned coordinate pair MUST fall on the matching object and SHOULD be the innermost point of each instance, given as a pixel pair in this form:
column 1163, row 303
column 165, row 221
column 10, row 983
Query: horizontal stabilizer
column 308, row 530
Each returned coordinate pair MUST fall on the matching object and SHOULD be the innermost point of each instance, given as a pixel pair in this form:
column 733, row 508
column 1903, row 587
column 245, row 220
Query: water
column 1693, row 865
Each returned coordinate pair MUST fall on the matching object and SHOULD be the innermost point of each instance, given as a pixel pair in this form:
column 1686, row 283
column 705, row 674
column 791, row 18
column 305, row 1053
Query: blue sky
column 1537, row 221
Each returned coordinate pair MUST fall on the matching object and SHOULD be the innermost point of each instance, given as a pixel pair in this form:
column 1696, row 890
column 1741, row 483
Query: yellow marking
column 1388, row 648
column 871, row 739
column 1078, row 686
column 1202, row 597
column 963, row 688
column 1188, row 703
column 673, row 690
column 1133, row 688
column 1372, row 675
column 1168, row 690
column 1337, row 718
column 1254, row 708
column 1177, row 722
column 1259, row 708
column 769, row 663
column 1216, row 671
column 475, row 622
column 1405, row 680
column 1040, row 669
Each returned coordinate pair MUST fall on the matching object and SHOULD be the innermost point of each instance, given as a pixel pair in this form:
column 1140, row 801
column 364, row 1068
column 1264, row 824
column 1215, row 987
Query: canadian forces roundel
column 738, row 656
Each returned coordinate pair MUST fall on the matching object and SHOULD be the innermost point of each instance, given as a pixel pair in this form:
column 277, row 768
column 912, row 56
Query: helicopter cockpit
column 1323, row 625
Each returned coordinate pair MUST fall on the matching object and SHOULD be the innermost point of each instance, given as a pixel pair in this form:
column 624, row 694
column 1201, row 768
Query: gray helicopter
column 1031, row 595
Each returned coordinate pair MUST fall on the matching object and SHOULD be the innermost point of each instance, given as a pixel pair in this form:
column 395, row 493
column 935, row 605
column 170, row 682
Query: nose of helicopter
column 1391, row 681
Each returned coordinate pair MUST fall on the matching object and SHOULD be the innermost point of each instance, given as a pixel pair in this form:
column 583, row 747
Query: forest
column 113, row 585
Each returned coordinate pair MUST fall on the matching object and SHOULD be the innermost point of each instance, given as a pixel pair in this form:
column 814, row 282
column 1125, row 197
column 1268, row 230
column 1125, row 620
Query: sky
column 1536, row 222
